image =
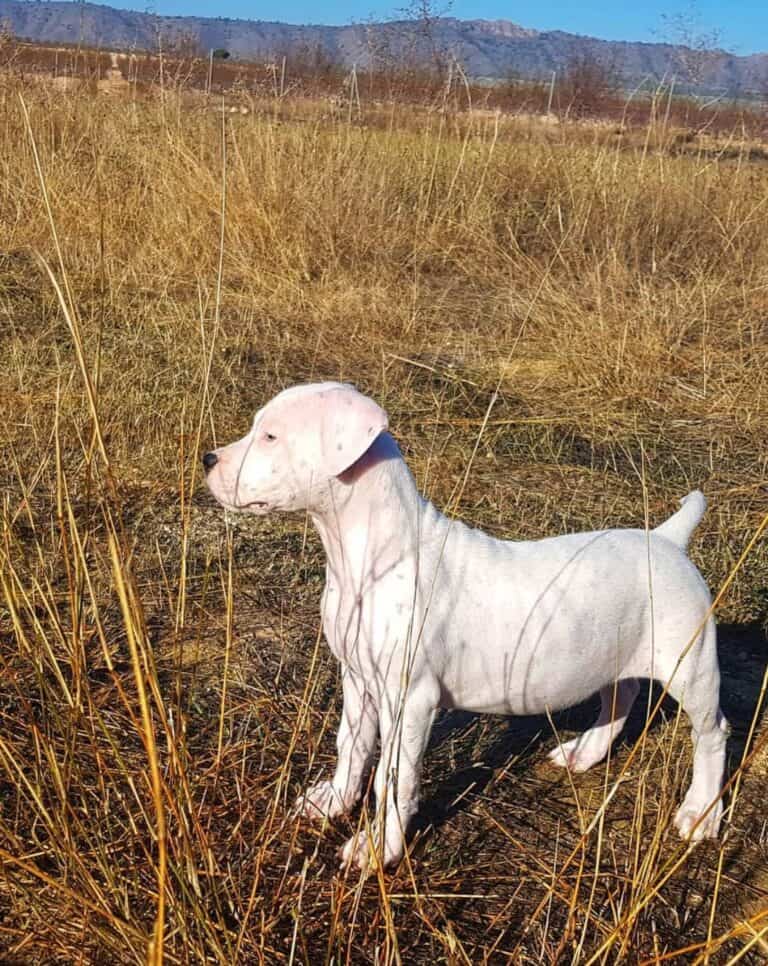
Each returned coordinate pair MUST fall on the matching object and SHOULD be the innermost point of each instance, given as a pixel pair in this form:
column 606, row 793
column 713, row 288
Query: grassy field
column 569, row 329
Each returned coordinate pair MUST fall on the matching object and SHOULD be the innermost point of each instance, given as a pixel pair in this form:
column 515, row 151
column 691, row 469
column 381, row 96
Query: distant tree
column 8, row 46
column 425, row 42
column 407, row 56
column 586, row 85
column 307, row 63
column 426, row 17
column 219, row 53
column 698, row 47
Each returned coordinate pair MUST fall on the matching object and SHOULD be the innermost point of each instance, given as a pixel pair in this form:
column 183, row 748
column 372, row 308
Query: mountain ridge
column 493, row 49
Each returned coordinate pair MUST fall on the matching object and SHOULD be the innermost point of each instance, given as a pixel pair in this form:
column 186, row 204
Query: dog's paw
column 689, row 814
column 560, row 755
column 320, row 802
column 365, row 853
column 358, row 853
column 576, row 755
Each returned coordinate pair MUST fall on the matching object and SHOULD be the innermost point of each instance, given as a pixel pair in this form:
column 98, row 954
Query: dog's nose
column 209, row 461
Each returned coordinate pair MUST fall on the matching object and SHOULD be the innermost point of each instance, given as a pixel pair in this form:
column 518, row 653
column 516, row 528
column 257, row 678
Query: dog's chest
column 341, row 619
column 365, row 628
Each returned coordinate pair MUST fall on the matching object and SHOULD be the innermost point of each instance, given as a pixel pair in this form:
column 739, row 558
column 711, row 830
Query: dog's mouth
column 230, row 495
column 252, row 506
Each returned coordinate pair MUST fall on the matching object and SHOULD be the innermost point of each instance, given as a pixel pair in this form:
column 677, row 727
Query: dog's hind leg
column 588, row 749
column 695, row 685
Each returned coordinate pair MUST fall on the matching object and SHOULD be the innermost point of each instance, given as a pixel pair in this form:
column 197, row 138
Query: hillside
column 492, row 49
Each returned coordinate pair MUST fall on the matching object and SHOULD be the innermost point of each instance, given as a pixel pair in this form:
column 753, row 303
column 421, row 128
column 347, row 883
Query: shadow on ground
column 468, row 751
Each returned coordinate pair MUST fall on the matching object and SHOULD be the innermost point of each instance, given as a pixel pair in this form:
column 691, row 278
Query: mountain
column 486, row 48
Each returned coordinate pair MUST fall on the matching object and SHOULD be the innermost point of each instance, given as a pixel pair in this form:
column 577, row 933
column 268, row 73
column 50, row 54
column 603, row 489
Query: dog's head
column 303, row 438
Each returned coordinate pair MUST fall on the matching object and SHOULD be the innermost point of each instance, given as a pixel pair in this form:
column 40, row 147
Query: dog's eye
column 270, row 437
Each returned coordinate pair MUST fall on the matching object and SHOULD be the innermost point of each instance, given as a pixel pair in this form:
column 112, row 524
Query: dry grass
column 165, row 693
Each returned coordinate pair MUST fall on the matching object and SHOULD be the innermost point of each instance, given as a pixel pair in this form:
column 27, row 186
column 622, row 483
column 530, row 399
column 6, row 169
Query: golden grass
column 165, row 688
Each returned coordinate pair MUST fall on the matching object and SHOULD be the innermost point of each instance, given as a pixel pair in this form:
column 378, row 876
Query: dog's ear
column 349, row 422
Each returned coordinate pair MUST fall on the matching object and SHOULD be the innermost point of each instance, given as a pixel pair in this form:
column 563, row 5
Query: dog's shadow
column 468, row 752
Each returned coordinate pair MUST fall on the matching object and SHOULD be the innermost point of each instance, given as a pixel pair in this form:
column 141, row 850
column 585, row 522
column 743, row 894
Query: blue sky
column 743, row 24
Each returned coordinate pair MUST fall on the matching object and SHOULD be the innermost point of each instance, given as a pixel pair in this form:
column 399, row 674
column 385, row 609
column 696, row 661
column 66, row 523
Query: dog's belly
column 513, row 683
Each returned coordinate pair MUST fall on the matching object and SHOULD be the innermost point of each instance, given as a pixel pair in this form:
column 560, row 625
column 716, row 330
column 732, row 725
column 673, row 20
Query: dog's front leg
column 355, row 743
column 404, row 736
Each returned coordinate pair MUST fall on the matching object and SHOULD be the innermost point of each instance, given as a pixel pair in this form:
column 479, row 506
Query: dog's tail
column 680, row 526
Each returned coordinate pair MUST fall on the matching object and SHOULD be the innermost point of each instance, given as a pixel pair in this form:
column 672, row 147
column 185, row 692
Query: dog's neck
column 370, row 514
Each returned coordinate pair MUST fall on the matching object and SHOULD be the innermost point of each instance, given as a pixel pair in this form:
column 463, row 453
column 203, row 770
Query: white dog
column 425, row 613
